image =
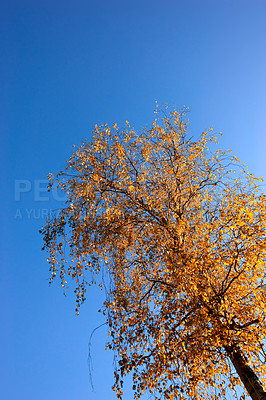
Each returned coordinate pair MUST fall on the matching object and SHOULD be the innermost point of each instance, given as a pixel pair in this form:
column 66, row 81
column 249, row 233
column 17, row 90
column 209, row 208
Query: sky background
column 65, row 66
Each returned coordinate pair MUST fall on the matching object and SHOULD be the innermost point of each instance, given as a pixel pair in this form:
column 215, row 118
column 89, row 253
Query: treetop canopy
column 177, row 230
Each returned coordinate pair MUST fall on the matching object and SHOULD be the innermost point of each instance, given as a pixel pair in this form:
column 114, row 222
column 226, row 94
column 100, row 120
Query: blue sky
column 65, row 66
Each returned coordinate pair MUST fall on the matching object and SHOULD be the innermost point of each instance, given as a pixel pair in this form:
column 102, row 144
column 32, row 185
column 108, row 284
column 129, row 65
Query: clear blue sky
column 65, row 66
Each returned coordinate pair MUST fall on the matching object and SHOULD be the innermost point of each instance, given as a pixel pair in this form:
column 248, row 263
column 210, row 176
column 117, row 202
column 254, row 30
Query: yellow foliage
column 182, row 242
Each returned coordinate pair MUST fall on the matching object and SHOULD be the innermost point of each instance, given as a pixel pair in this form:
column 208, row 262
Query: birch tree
column 174, row 229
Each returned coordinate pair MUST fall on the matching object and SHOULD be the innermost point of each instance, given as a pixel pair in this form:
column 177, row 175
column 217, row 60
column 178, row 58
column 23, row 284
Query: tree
column 180, row 239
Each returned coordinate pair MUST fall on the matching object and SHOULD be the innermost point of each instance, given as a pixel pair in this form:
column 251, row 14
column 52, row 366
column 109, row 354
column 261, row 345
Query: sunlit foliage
column 177, row 230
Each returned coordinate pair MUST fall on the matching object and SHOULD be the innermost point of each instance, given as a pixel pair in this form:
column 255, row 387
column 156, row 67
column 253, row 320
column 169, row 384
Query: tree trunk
column 245, row 373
